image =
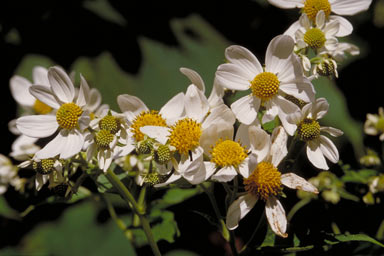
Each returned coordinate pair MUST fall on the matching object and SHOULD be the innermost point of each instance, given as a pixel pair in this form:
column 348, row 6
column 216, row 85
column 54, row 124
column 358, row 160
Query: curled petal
column 294, row 181
column 238, row 209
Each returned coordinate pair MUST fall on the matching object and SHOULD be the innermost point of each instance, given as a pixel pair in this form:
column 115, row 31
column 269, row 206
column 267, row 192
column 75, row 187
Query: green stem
column 117, row 220
column 128, row 197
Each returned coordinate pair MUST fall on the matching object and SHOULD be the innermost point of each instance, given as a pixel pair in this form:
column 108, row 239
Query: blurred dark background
column 65, row 30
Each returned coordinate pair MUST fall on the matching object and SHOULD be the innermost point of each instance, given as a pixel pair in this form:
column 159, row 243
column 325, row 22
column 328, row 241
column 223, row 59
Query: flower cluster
column 194, row 138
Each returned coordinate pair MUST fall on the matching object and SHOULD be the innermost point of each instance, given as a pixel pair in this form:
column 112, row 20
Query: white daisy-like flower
column 19, row 87
column 374, row 125
column 70, row 119
column 108, row 139
column 340, row 7
column 185, row 135
column 320, row 37
column 265, row 183
column 8, row 173
column 281, row 76
column 23, row 148
column 318, row 147
column 342, row 49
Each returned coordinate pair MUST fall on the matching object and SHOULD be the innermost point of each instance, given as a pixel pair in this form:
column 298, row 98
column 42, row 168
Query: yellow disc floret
column 41, row 108
column 185, row 135
column 67, row 115
column 146, row 118
column 265, row 85
column 103, row 138
column 308, row 129
column 315, row 38
column 45, row 166
column 110, row 123
column 312, row 7
column 264, row 181
column 228, row 153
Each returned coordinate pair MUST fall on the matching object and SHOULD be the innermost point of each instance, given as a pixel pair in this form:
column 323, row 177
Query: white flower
column 340, row 7
column 321, row 37
column 185, row 134
column 281, row 76
column 20, row 86
column 374, row 125
column 318, row 147
column 228, row 157
column 70, row 119
column 265, row 182
column 339, row 53
column 24, row 147
column 8, row 173
column 108, row 139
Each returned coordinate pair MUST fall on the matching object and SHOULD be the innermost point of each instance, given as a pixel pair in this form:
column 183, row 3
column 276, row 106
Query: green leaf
column 359, row 176
column 6, row 210
column 159, row 77
column 342, row 238
column 175, row 196
column 105, row 10
column 76, row 232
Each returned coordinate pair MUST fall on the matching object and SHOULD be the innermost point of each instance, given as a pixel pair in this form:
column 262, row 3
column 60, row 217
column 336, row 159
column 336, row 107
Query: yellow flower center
column 312, row 7
column 41, row 108
column 103, row 138
column 110, row 123
column 67, row 115
column 265, row 85
column 45, row 166
column 264, row 181
column 185, row 135
column 146, row 118
column 228, row 153
column 315, row 38
column 308, row 129
column 296, row 101
column 162, row 155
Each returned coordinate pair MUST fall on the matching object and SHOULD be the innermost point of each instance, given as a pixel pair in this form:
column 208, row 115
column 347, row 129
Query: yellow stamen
column 312, row 7
column 146, row 118
column 185, row 135
column 265, row 85
column 41, row 108
column 308, row 129
column 67, row 115
column 228, row 153
column 264, row 181
column 315, row 38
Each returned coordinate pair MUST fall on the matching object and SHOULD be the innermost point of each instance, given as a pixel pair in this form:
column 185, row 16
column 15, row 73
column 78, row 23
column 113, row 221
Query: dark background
column 65, row 30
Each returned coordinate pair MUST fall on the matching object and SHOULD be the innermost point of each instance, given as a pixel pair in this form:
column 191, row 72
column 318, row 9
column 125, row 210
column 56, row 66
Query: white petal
column 174, row 177
column 245, row 59
column 190, row 165
column 74, row 143
column 287, row 4
column 271, row 112
column 40, row 180
column 94, row 99
column 245, row 109
column 40, row 76
column 332, row 131
column 260, row 142
column 315, row 155
column 53, row 148
column 276, row 217
column 238, row 209
column 217, row 94
column 278, row 145
column 294, row 181
column 329, row 149
column 61, row 84
column 350, row 7
column 320, row 108
column 286, row 109
column 233, row 77
column 320, row 19
column 84, row 93
column 243, row 168
column 225, row 174
column 196, row 104
column 332, row 28
column 129, row 103
column 278, row 52
column 158, row 133
column 213, row 133
column 174, row 108
column 220, row 113
column 194, row 77
column 37, row 126
column 19, row 87
column 199, row 176
column 44, row 94
column 300, row 88
column 292, row 29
